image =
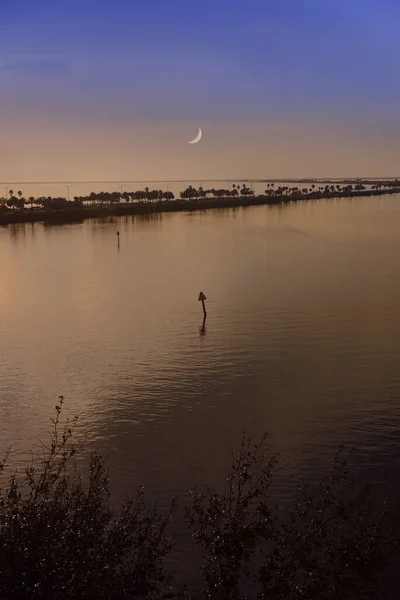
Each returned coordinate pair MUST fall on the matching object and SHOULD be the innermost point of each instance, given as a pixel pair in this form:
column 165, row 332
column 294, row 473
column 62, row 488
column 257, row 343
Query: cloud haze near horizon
column 281, row 88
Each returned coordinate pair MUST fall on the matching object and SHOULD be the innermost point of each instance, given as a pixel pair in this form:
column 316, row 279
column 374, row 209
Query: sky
column 113, row 90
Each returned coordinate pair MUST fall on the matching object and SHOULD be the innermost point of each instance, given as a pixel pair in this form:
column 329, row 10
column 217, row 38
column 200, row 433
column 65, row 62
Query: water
column 302, row 337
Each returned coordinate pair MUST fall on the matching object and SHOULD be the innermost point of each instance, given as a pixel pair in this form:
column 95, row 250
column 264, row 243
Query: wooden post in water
column 202, row 298
column 118, row 238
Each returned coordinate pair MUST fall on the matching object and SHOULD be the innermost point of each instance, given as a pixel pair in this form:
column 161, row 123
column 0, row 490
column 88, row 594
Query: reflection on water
column 302, row 336
column 202, row 329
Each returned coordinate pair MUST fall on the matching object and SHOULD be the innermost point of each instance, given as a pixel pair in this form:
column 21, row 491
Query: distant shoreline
column 74, row 215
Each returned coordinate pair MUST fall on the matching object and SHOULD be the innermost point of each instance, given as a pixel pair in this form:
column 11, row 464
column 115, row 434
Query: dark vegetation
column 60, row 536
column 17, row 208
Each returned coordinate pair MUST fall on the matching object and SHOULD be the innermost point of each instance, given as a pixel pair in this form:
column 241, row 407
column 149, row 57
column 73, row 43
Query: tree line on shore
column 61, row 538
column 18, row 202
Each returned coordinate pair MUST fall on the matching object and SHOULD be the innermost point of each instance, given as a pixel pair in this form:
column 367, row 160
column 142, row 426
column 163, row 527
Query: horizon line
column 235, row 179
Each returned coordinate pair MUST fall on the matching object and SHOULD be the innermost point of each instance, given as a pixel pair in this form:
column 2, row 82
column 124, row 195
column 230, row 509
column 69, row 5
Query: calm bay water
column 302, row 337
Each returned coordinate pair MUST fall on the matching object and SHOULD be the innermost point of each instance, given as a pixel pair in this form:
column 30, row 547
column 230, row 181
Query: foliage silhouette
column 60, row 536
column 105, row 204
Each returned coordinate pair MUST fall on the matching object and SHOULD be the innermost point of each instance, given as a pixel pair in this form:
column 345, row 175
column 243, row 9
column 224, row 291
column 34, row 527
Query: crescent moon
column 197, row 138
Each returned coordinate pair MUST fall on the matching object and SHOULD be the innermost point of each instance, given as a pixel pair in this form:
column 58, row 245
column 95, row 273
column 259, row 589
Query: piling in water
column 202, row 298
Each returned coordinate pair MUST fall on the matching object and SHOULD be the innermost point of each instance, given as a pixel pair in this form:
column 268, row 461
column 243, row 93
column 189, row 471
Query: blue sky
column 123, row 61
column 239, row 59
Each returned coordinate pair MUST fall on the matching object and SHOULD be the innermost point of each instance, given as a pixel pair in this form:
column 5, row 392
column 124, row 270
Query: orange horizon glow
column 158, row 151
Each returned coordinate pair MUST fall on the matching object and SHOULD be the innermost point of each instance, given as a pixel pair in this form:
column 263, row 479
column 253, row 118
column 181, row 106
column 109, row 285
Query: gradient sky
column 95, row 89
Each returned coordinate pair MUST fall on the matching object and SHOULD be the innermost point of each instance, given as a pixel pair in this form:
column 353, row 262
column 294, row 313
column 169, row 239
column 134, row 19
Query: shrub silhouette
column 333, row 543
column 60, row 537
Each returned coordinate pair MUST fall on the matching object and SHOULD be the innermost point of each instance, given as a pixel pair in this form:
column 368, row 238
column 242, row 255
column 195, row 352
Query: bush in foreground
column 61, row 538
